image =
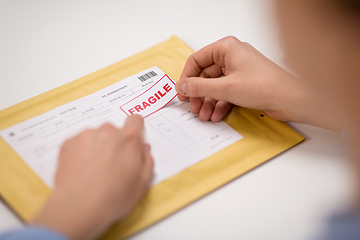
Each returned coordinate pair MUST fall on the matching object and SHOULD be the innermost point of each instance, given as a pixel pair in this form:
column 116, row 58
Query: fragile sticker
column 153, row 99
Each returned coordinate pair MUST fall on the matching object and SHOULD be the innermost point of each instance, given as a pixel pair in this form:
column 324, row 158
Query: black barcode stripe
column 146, row 76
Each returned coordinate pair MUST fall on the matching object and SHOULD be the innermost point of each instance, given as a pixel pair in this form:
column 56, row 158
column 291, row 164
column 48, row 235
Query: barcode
column 146, row 76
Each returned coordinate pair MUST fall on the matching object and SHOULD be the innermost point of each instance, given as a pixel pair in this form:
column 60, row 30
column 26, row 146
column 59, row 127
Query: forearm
column 292, row 99
column 310, row 107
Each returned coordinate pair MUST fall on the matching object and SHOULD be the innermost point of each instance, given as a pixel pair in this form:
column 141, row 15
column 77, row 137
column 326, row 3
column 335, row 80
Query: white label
column 178, row 138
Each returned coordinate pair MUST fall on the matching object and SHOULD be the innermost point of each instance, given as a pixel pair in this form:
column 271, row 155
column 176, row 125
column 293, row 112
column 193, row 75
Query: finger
column 207, row 109
column 196, row 104
column 211, row 54
column 106, row 130
column 107, row 127
column 212, row 71
column 134, row 126
column 182, row 98
column 148, row 164
column 217, row 88
column 86, row 140
column 208, row 55
column 221, row 108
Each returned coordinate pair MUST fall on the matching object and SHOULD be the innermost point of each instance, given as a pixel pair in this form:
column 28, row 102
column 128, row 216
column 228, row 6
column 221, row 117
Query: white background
column 45, row 44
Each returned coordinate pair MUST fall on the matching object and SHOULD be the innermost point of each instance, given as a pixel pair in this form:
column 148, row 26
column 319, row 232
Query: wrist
column 75, row 220
column 303, row 104
column 286, row 98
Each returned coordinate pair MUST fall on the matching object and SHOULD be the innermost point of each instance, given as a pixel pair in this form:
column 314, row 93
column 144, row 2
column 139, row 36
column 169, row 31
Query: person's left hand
column 101, row 175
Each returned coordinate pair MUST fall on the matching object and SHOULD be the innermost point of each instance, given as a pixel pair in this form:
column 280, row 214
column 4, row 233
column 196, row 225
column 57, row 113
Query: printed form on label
column 178, row 138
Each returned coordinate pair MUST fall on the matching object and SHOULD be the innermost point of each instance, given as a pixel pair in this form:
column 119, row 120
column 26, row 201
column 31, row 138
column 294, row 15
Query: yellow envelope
column 263, row 138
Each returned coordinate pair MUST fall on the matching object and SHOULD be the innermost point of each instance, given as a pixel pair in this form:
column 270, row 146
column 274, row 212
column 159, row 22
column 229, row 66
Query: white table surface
column 45, row 44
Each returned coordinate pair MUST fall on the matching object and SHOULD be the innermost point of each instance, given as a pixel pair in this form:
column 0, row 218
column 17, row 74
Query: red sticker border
column 148, row 90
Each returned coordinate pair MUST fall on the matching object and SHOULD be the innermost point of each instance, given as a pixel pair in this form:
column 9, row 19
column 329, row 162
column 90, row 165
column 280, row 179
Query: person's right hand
column 102, row 173
column 233, row 72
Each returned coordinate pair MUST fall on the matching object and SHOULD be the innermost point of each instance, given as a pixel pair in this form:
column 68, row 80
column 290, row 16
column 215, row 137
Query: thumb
column 216, row 88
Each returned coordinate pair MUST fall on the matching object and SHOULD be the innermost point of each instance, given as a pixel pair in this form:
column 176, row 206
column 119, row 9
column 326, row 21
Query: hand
column 233, row 72
column 101, row 175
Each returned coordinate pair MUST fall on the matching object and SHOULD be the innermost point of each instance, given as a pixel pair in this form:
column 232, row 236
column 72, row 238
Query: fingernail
column 183, row 87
